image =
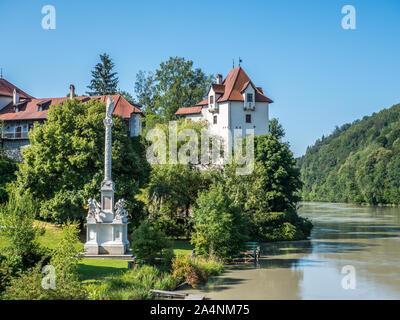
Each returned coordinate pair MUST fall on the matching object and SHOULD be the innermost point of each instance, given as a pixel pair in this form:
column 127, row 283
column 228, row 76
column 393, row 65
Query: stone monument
column 107, row 225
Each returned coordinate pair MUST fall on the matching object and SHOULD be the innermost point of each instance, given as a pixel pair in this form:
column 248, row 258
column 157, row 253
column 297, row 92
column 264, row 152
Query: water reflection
column 364, row 237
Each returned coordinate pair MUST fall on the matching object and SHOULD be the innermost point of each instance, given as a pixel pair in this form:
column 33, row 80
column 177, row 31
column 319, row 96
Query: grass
column 182, row 247
column 96, row 269
column 133, row 284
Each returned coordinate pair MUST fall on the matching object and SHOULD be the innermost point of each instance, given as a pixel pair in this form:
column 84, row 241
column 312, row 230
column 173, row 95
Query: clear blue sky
column 318, row 74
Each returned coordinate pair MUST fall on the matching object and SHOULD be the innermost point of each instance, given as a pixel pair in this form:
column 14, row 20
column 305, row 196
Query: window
column 215, row 119
column 249, row 97
column 248, row 118
column 211, row 99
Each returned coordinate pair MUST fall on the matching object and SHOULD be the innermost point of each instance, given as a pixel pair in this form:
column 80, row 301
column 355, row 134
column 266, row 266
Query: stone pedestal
column 107, row 238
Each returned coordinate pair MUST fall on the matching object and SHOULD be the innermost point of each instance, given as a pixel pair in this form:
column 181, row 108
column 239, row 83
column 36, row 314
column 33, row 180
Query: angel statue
column 120, row 211
column 94, row 209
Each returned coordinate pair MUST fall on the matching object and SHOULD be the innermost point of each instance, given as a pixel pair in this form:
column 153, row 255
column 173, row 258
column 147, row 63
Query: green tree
column 64, row 164
column 356, row 163
column 276, row 129
column 150, row 245
column 144, row 89
column 171, row 192
column 17, row 218
column 27, row 285
column 268, row 195
column 8, row 167
column 220, row 228
column 174, row 85
column 104, row 80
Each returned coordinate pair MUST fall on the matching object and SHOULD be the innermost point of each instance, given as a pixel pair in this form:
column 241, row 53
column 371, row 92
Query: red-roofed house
column 20, row 111
column 235, row 103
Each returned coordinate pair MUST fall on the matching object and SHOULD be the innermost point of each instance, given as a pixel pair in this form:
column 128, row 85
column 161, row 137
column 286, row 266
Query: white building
column 20, row 111
column 235, row 103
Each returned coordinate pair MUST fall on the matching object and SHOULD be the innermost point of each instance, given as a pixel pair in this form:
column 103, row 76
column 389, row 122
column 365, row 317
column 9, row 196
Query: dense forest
column 358, row 162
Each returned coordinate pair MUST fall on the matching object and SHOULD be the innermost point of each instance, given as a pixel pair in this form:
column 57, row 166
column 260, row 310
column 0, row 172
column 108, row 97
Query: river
column 353, row 253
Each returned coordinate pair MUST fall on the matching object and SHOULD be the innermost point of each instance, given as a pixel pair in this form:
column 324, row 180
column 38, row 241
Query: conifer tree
column 104, row 80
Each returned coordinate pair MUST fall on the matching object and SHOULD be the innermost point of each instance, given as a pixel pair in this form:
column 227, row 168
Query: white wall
column 135, row 125
column 259, row 118
column 4, row 101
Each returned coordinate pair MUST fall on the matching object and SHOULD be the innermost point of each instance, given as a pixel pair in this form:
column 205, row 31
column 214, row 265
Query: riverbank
column 366, row 238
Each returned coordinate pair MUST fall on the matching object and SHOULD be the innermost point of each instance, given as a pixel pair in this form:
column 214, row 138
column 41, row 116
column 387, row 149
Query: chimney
column 71, row 91
column 219, row 78
column 15, row 97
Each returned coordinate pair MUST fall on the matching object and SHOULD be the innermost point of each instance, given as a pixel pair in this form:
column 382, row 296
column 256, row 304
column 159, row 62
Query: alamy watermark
column 349, row 280
column 186, row 147
column 49, row 20
column 49, row 280
column 349, row 20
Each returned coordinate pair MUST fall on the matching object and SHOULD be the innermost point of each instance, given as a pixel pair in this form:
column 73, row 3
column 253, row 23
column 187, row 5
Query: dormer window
column 249, row 97
column 211, row 99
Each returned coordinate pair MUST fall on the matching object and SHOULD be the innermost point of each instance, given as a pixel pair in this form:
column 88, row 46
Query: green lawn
column 182, row 247
column 97, row 268
column 100, row 268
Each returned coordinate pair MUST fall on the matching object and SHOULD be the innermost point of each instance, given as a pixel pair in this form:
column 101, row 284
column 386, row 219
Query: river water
column 353, row 253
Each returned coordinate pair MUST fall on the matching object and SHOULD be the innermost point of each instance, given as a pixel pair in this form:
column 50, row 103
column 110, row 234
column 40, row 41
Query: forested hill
column 358, row 162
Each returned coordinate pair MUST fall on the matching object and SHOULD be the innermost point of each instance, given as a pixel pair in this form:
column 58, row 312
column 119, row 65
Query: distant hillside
column 358, row 162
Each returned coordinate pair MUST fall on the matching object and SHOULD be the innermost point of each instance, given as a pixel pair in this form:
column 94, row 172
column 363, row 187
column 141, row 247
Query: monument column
column 107, row 186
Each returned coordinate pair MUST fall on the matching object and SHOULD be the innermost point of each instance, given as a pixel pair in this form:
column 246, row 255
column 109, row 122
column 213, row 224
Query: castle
column 235, row 103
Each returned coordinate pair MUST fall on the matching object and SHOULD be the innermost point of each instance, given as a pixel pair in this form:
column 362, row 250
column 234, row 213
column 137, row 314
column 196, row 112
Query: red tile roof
column 234, row 83
column 189, row 110
column 218, row 88
column 29, row 109
column 203, row 103
column 7, row 89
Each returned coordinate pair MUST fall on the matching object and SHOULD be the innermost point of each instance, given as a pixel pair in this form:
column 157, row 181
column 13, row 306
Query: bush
column 17, row 217
column 279, row 226
column 195, row 272
column 220, row 227
column 134, row 284
column 5, row 274
column 66, row 255
column 27, row 285
column 150, row 245
column 7, row 174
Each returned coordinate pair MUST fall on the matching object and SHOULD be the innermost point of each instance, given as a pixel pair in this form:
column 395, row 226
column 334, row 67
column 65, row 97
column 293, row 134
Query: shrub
column 5, row 273
column 195, row 272
column 27, row 285
column 17, row 217
column 66, row 255
column 135, row 284
column 220, row 227
column 279, row 226
column 150, row 245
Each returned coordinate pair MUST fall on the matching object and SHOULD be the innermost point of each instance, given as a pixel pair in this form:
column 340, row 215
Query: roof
column 7, row 89
column 29, row 108
column 188, row 110
column 235, row 82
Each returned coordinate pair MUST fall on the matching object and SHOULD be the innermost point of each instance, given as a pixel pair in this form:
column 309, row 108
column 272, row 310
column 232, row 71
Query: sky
column 319, row 74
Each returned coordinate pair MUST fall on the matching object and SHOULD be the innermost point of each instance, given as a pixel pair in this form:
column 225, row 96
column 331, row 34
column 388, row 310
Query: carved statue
column 120, row 211
column 94, row 209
